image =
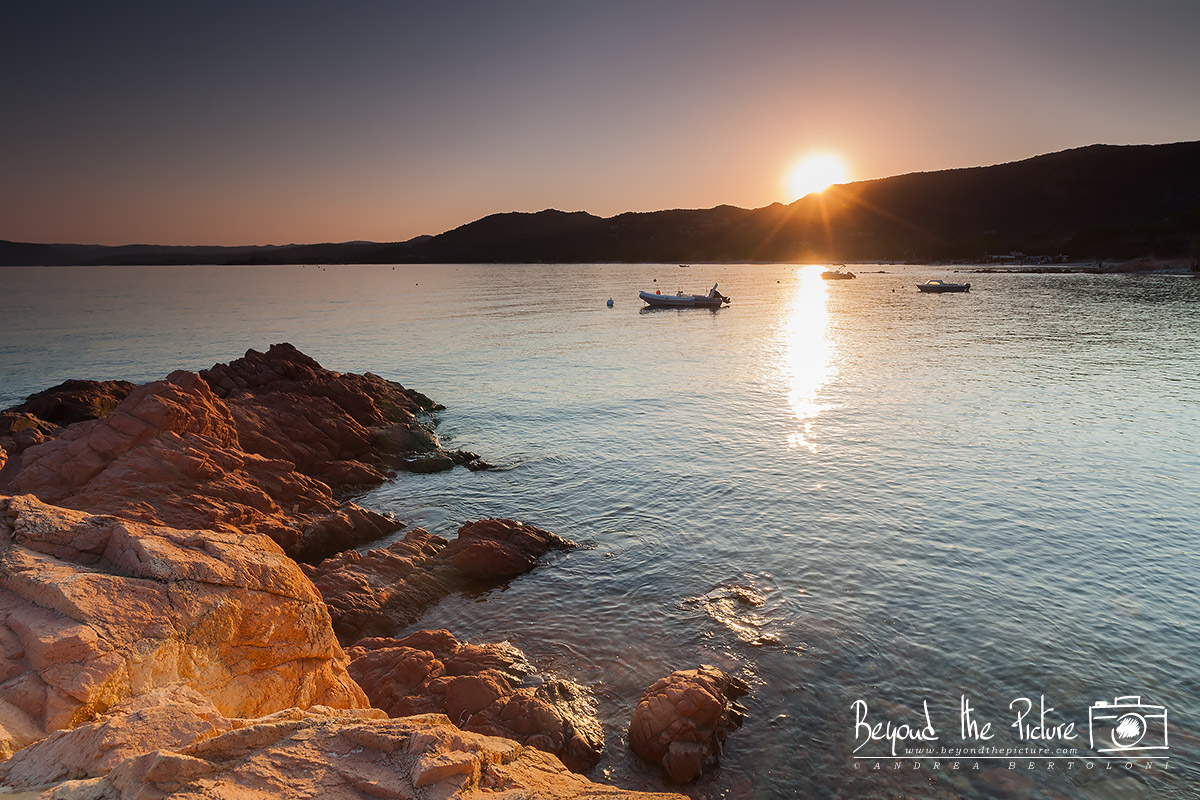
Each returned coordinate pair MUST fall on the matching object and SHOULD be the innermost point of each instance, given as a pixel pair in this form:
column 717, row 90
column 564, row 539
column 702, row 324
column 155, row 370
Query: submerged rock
column 681, row 721
column 443, row 460
column 319, row 752
column 383, row 590
column 95, row 610
column 479, row 688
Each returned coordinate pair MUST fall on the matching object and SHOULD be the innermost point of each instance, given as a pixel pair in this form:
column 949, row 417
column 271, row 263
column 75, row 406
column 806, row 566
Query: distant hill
column 1101, row 201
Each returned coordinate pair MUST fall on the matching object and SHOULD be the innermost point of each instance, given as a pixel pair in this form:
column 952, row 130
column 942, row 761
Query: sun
column 815, row 172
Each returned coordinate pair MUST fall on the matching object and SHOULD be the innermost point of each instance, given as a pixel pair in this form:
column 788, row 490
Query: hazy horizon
column 237, row 124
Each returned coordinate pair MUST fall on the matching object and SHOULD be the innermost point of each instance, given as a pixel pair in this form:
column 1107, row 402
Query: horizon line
column 619, row 214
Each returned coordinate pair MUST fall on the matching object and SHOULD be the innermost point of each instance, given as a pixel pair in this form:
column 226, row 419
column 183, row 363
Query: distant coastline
column 1138, row 266
column 1103, row 203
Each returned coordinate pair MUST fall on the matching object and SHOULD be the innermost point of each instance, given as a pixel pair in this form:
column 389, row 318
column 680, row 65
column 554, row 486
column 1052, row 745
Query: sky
column 273, row 122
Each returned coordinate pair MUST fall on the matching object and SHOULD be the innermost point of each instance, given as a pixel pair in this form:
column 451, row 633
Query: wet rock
column 378, row 592
column 443, row 460
column 95, row 610
column 499, row 549
column 399, row 439
column 479, row 688
column 681, row 721
column 75, row 401
column 429, row 463
column 315, row 753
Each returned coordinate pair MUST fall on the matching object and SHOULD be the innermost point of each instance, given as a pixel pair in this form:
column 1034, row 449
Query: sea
column 952, row 542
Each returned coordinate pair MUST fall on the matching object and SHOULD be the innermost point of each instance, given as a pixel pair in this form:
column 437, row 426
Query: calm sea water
column 840, row 491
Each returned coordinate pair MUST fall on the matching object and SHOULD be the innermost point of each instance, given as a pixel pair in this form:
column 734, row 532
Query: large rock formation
column 377, row 593
column 193, row 752
column 262, row 445
column 481, row 688
column 151, row 617
column 95, row 610
column 681, row 721
column 340, row 428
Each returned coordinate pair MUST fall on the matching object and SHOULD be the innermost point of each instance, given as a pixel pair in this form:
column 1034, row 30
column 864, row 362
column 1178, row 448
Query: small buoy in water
column 609, row 303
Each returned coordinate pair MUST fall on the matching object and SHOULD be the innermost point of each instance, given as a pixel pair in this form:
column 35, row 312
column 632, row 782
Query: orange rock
column 377, row 593
column 169, row 717
column 263, row 444
column 681, row 721
column 95, row 610
column 315, row 753
column 479, row 688
column 498, row 549
column 170, row 454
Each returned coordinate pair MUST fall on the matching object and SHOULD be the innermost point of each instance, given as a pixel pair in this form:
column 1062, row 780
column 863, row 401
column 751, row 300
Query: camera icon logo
column 1127, row 726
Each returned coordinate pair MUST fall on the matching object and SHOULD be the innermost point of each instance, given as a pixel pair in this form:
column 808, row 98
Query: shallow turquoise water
column 840, row 491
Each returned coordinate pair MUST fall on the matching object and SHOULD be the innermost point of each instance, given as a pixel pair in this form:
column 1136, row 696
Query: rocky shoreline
column 185, row 610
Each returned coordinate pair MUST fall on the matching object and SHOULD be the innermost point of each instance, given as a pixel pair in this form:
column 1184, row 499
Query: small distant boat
column 657, row 299
column 837, row 274
column 685, row 266
column 937, row 286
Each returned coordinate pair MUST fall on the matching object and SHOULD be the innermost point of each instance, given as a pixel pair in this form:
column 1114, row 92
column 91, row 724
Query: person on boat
column 713, row 291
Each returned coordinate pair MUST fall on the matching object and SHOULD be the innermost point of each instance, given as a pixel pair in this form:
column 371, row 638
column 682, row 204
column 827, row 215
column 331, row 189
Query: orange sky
column 231, row 124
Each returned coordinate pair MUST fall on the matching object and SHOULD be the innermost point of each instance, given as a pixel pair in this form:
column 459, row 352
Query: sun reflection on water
column 808, row 353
